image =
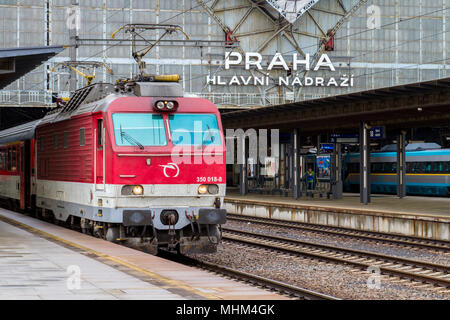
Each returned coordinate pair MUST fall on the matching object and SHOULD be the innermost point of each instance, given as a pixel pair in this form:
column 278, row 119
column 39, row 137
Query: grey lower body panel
column 138, row 216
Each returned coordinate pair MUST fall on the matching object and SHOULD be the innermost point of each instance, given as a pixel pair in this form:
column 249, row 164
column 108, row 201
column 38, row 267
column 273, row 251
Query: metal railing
column 25, row 98
column 221, row 99
column 248, row 100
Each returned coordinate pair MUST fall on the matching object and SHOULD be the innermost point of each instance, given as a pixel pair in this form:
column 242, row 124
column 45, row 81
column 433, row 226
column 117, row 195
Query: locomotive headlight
column 170, row 105
column 160, row 105
column 202, row 189
column 138, row 190
column 213, row 189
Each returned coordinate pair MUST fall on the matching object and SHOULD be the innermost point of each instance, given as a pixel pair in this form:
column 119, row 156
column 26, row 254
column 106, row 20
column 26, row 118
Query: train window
column 55, row 141
column 14, row 159
column 418, row 167
column 66, row 140
column 19, row 156
column 408, row 167
column 8, row 159
column 427, row 167
column 139, row 129
column 353, row 167
column 99, row 132
column 41, row 144
column 184, row 129
column 3, row 159
column 393, row 167
column 82, row 137
column 376, row 167
column 436, row 167
column 384, row 167
column 445, row 167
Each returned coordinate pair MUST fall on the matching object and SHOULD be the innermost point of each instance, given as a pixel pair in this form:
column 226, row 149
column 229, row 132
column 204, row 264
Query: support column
column 401, row 165
column 336, row 172
column 284, row 159
column 296, row 188
column 364, row 175
column 289, row 165
column 243, row 169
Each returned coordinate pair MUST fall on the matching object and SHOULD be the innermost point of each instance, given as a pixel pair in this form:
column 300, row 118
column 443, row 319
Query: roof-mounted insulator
column 167, row 78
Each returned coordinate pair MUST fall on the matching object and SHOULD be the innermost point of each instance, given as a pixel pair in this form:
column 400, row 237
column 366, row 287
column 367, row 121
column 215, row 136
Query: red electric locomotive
column 135, row 162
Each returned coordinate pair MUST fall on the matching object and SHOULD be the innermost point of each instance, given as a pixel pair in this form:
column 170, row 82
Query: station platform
column 40, row 261
column 423, row 217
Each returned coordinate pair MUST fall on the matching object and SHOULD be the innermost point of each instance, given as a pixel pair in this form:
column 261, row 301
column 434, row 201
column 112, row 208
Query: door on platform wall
column 100, row 154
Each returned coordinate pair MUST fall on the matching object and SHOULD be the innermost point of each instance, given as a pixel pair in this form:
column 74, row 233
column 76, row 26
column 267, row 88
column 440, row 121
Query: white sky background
column 292, row 9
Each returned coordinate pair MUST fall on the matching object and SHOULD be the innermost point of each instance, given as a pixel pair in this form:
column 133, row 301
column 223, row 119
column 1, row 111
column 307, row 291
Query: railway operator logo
column 173, row 168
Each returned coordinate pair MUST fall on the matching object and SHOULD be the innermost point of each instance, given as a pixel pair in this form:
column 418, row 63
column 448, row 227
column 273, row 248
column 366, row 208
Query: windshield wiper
column 130, row 139
column 210, row 136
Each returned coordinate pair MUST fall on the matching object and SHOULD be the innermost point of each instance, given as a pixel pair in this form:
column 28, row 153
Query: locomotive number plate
column 209, row 179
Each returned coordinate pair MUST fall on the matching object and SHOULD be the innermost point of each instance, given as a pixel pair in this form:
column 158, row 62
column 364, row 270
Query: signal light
column 163, row 105
column 138, row 190
column 213, row 189
column 202, row 189
column 160, row 105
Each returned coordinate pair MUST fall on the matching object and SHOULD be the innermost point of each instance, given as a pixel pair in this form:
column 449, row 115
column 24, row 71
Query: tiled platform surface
column 34, row 265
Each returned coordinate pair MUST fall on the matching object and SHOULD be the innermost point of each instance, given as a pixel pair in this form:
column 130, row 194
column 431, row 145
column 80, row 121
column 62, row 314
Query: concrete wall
column 409, row 225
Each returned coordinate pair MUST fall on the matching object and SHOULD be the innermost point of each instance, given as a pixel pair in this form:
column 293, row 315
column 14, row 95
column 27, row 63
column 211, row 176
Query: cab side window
column 82, row 137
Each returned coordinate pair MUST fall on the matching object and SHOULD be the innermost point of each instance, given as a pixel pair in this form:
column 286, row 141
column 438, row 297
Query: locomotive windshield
column 139, row 129
column 194, row 129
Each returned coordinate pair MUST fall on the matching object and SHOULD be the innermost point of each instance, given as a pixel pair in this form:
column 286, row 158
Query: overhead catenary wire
column 119, row 42
column 161, row 22
column 341, row 37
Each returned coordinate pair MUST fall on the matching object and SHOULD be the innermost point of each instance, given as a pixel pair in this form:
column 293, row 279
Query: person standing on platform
column 310, row 179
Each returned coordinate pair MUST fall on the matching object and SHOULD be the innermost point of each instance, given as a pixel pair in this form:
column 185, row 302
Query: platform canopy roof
column 419, row 104
column 291, row 10
column 16, row 62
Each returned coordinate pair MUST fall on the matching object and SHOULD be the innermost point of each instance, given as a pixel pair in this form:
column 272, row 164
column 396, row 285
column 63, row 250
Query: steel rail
column 360, row 253
column 345, row 232
column 330, row 256
column 264, row 282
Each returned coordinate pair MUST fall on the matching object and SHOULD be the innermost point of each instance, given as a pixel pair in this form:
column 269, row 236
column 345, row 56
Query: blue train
column 427, row 172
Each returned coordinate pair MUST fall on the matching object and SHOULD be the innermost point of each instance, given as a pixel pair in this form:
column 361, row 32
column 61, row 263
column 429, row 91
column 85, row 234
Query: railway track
column 419, row 271
column 266, row 283
column 398, row 240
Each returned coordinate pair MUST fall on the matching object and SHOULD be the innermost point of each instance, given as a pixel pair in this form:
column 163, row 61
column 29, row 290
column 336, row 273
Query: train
column 136, row 162
column 427, row 172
